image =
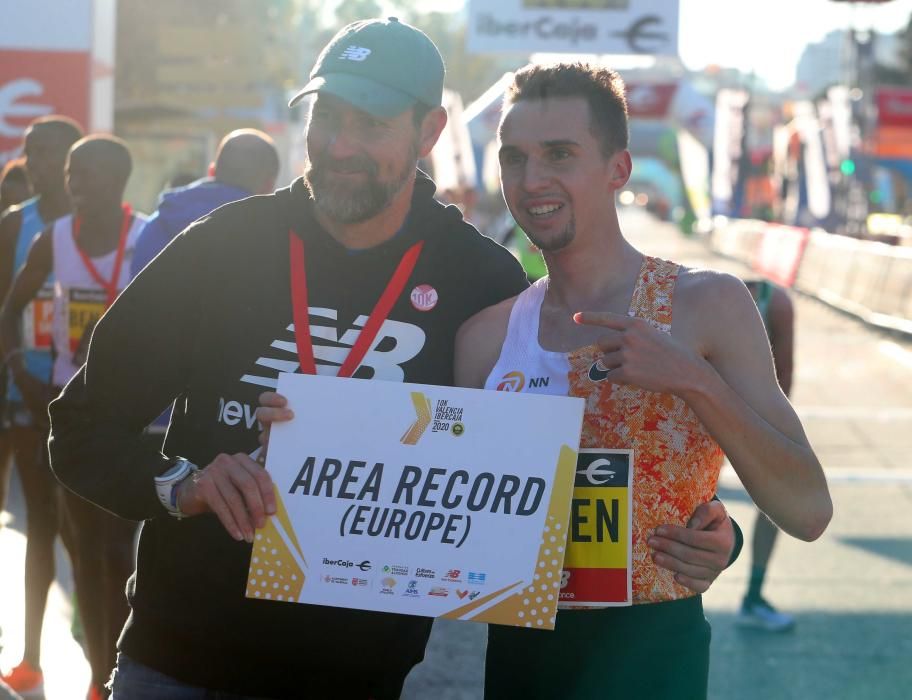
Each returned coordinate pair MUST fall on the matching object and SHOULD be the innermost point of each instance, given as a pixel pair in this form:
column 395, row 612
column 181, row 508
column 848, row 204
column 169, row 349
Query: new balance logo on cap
column 354, row 53
column 380, row 66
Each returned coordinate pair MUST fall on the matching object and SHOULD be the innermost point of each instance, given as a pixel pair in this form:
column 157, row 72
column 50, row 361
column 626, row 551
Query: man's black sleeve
column 138, row 362
column 506, row 276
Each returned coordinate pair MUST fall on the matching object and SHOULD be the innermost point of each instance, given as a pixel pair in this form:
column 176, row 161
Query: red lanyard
column 301, row 309
column 109, row 286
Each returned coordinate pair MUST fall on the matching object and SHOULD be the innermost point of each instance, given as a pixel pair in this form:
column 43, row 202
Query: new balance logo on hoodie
column 396, row 343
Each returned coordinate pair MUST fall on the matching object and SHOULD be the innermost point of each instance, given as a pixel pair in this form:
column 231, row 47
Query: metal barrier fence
column 872, row 281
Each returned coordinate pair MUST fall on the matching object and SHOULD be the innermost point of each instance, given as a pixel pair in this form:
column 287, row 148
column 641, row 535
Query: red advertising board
column 779, row 253
column 894, row 106
column 35, row 83
column 650, row 100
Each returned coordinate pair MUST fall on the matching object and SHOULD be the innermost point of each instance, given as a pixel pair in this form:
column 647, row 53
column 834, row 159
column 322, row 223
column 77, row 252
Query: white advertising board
column 574, row 26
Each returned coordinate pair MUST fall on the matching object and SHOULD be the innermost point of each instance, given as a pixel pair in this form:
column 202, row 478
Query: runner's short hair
column 602, row 88
column 113, row 150
column 65, row 128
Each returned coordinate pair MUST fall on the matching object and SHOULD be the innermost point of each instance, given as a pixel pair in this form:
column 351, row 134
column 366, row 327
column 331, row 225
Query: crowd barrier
column 870, row 280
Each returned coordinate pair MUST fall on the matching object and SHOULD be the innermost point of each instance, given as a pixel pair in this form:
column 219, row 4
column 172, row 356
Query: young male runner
column 15, row 188
column 778, row 315
column 672, row 363
column 46, row 143
column 88, row 254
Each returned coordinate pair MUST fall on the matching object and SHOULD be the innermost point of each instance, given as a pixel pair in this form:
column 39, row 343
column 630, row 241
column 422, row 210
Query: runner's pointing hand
column 635, row 352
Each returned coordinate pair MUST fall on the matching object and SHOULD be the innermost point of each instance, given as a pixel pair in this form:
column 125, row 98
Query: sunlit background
column 774, row 138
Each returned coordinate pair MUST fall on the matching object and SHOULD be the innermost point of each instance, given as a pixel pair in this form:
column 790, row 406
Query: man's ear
column 431, row 127
column 620, row 168
column 210, row 171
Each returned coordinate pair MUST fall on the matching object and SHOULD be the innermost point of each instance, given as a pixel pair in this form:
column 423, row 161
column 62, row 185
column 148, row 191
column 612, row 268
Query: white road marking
column 869, row 413
column 896, row 352
column 840, row 475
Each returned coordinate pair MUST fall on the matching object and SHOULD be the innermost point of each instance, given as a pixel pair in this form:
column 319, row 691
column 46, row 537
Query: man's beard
column 558, row 242
column 352, row 203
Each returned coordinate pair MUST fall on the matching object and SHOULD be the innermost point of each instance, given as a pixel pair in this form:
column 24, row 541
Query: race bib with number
column 86, row 306
column 37, row 321
column 598, row 565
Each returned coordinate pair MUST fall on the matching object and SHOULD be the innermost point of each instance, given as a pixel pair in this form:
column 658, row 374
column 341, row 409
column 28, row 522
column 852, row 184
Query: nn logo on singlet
column 516, row 381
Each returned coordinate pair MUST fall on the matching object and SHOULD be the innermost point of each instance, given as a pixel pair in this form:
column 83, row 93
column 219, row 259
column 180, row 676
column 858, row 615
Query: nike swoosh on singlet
column 597, row 374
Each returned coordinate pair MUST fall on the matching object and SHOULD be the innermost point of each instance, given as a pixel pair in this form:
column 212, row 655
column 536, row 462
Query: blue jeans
column 133, row 681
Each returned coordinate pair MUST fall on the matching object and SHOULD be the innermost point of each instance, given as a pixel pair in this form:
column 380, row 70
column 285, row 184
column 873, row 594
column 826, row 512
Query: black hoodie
column 208, row 323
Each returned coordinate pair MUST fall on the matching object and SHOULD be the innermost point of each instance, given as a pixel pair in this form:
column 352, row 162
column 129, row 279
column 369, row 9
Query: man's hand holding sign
column 236, row 489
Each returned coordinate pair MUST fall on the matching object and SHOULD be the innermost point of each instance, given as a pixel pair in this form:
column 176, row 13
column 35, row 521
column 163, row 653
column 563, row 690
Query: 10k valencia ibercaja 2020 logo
column 442, row 417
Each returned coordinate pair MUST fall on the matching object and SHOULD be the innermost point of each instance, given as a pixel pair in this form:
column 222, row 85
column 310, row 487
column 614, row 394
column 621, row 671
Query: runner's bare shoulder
column 479, row 341
column 708, row 303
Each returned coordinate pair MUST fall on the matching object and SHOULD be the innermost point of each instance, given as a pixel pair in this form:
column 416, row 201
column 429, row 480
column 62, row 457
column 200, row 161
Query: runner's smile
column 544, row 211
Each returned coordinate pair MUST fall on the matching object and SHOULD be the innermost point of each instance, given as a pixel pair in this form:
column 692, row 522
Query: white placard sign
column 419, row 499
column 574, row 26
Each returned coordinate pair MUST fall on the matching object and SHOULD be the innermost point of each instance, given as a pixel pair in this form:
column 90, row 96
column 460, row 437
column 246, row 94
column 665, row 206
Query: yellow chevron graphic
column 423, row 411
column 275, row 573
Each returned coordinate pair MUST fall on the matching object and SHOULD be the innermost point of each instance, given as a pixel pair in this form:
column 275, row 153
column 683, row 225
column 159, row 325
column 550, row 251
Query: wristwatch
column 166, row 485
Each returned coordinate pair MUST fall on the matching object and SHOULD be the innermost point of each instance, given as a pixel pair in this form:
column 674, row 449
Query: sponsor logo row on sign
column 450, row 575
column 417, row 587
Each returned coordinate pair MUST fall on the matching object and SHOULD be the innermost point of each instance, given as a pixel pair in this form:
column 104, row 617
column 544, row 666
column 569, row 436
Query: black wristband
column 739, row 537
column 739, row 543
